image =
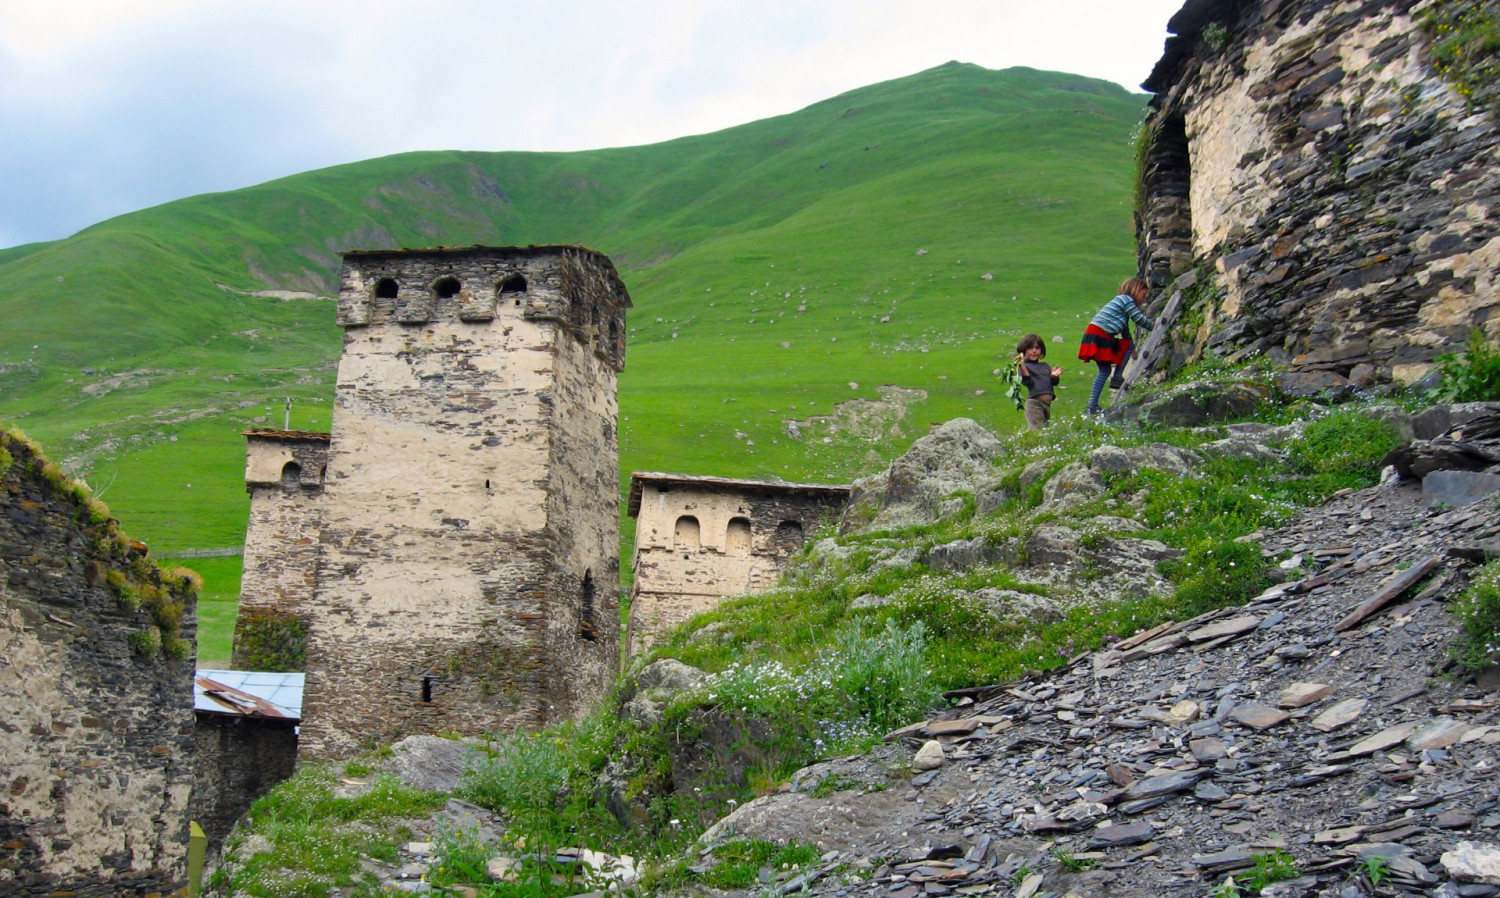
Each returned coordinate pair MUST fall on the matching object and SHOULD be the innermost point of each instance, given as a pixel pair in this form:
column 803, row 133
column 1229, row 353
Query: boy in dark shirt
column 1039, row 379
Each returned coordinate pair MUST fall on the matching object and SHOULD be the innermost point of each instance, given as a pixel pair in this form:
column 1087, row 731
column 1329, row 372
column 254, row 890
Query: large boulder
column 956, row 458
column 1194, row 404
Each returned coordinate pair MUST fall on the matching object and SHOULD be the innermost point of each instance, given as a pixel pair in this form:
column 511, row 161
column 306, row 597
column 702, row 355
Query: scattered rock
column 929, row 756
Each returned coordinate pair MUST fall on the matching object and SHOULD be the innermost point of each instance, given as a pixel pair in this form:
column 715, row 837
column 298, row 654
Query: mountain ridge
column 1017, row 171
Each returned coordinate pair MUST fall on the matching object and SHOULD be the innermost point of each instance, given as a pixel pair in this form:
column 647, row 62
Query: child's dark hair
column 1029, row 341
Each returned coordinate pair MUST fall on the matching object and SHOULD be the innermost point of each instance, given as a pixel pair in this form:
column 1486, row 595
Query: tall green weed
column 1478, row 613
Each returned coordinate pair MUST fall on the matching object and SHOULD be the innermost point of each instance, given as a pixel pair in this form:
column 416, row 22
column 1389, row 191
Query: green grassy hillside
column 777, row 268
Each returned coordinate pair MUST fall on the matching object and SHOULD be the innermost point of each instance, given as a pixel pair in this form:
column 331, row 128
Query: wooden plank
column 1392, row 591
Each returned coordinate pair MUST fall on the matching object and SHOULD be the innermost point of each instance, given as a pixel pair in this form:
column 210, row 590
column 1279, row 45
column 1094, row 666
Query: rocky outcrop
column 96, row 681
column 1313, row 188
column 929, row 480
column 1456, row 455
column 1306, row 725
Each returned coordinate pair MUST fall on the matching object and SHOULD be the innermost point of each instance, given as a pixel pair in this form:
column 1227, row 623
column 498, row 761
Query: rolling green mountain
column 900, row 235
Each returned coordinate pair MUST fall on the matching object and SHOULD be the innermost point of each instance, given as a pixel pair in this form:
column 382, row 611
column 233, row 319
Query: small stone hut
column 96, row 723
column 246, row 742
column 1313, row 188
column 467, row 572
column 698, row 539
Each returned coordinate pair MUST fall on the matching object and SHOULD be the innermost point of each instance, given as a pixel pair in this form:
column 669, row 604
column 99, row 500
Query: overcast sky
column 107, row 106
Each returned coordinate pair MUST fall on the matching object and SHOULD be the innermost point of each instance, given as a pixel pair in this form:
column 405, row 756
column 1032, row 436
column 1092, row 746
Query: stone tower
column 284, row 476
column 468, row 571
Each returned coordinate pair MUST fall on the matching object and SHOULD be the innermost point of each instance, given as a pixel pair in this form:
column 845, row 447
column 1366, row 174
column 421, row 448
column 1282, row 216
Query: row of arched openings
column 449, row 287
column 688, row 535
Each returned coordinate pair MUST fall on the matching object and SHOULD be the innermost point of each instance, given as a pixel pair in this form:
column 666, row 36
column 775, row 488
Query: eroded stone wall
column 284, row 476
column 698, row 542
column 1338, row 198
column 469, row 494
column 96, row 722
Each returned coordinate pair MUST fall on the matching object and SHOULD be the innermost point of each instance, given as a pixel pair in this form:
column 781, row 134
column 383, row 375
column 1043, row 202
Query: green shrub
column 1216, row 573
column 270, row 639
column 1478, row 614
column 1343, row 449
column 461, row 856
column 1215, row 37
column 526, row 774
column 1472, row 376
column 883, row 673
column 147, row 642
column 6, row 460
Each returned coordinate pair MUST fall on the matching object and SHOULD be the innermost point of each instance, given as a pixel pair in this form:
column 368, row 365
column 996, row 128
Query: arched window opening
column 737, row 540
column 513, row 284
column 291, row 475
column 427, row 689
column 385, row 288
column 587, row 628
column 789, row 536
column 446, row 288
column 685, row 535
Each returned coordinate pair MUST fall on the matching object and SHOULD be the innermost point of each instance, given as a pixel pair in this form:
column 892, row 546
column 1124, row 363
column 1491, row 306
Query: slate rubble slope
column 1170, row 760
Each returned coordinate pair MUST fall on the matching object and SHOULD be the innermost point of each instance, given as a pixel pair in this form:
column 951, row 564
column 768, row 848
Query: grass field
column 903, row 235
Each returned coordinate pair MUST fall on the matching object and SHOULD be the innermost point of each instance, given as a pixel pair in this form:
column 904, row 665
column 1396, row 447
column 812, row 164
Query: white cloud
column 109, row 105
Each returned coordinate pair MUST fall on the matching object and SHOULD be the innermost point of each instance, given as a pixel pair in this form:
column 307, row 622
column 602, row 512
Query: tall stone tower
column 468, row 572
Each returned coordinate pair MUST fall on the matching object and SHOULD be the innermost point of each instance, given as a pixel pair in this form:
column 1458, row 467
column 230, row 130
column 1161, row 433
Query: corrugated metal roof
column 640, row 478
column 251, row 693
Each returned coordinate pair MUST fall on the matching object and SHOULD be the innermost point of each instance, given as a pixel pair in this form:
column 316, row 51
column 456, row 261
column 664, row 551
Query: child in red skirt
column 1106, row 341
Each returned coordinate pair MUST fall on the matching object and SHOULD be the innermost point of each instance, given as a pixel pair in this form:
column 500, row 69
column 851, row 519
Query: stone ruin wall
column 679, row 574
column 450, row 576
column 96, row 739
column 1314, row 190
column 284, row 476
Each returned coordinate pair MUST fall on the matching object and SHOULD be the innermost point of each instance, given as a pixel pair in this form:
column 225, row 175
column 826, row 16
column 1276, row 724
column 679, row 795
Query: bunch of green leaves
column 1277, row 866
column 1010, row 383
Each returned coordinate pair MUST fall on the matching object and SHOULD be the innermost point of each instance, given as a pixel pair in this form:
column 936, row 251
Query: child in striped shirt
column 1106, row 341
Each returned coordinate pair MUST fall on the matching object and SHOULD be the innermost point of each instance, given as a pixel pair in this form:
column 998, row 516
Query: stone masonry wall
column 239, row 760
column 1340, row 199
column 284, row 476
column 677, row 577
column 472, row 395
column 583, row 523
column 96, row 723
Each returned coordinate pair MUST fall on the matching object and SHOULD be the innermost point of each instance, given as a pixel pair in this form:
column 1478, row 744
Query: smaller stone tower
column 284, row 476
column 468, row 573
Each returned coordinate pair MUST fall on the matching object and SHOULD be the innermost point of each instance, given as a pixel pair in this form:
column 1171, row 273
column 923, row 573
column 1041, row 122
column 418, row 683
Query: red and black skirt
column 1098, row 346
